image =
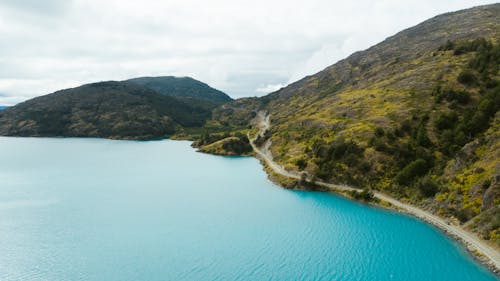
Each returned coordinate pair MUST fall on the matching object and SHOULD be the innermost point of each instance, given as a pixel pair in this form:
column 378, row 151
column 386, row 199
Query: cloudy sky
column 245, row 48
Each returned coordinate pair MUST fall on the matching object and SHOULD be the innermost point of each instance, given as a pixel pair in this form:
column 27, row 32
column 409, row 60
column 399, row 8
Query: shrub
column 379, row 144
column 405, row 126
column 421, row 138
column 451, row 95
column 341, row 160
column 416, row 168
column 301, row 163
column 487, row 59
column 427, row 187
column 379, row 132
column 467, row 78
column 446, row 121
column 461, row 215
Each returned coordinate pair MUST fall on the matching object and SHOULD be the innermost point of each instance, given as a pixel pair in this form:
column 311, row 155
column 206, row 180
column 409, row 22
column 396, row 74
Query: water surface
column 90, row 209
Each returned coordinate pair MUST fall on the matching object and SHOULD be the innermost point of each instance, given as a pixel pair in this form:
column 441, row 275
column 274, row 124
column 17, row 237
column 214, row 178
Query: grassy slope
column 365, row 119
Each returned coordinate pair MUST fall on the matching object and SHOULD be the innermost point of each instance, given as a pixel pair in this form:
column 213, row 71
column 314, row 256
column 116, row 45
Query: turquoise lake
column 90, row 209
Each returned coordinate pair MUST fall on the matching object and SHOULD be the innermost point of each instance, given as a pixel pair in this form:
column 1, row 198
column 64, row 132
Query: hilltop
column 119, row 110
column 184, row 88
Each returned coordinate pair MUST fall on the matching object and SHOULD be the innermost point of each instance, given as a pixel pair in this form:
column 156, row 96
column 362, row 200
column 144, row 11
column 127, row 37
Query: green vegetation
column 450, row 95
column 413, row 170
column 487, row 224
column 338, row 161
column 224, row 143
column 463, row 124
column 416, row 116
column 120, row 110
column 185, row 89
column 467, row 78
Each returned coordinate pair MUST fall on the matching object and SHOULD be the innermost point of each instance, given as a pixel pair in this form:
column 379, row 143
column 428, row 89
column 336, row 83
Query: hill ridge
column 109, row 109
column 415, row 116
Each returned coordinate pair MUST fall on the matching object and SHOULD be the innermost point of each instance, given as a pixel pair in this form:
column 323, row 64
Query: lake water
column 90, row 209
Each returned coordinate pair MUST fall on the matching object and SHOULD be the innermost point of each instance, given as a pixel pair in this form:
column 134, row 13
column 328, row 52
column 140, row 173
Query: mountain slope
column 106, row 109
column 415, row 116
column 184, row 88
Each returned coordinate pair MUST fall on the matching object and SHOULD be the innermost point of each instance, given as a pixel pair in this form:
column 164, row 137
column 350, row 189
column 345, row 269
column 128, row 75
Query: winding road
column 471, row 241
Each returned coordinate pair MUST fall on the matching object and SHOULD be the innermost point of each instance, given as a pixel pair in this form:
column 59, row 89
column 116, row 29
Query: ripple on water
column 87, row 209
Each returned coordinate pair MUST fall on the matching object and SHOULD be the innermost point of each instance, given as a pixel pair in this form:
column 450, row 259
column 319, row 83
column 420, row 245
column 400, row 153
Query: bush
column 415, row 169
column 446, row 121
column 421, row 138
column 487, row 59
column 467, row 78
column 301, row 163
column 459, row 48
column 451, row 95
column 379, row 145
column 461, row 215
column 379, row 132
column 427, row 187
column 405, row 127
column 340, row 160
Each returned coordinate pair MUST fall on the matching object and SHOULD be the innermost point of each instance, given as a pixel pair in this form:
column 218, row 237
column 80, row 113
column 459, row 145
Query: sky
column 244, row 48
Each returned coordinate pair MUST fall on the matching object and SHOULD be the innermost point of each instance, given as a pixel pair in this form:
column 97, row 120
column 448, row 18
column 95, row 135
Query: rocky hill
column 121, row 110
column 416, row 116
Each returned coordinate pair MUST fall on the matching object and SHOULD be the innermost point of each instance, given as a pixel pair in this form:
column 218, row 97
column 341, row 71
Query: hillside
column 416, row 116
column 184, row 88
column 111, row 109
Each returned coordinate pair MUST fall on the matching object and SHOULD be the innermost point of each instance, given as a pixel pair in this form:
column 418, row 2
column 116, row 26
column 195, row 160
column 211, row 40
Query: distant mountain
column 184, row 88
column 416, row 116
column 121, row 110
column 2, row 107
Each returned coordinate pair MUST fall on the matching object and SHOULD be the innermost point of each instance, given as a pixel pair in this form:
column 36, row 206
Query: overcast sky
column 244, row 48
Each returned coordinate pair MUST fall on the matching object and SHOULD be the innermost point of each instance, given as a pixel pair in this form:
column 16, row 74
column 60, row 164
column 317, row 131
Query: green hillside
column 118, row 110
column 184, row 88
column 416, row 116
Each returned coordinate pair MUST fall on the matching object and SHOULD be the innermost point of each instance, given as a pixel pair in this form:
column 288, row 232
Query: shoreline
column 480, row 251
column 477, row 253
column 485, row 254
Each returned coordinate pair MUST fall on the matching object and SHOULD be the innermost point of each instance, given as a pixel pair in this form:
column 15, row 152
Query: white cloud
column 241, row 47
column 270, row 88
